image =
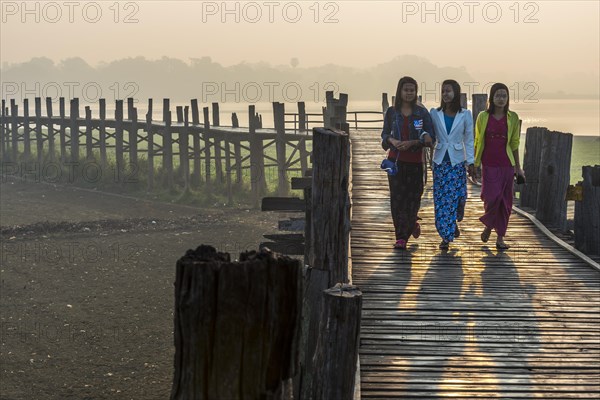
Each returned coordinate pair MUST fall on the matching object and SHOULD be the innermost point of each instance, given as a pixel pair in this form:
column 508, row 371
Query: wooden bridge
column 471, row 322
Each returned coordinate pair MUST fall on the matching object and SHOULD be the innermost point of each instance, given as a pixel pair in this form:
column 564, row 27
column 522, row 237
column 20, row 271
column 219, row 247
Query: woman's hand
column 519, row 171
column 471, row 171
column 427, row 140
column 401, row 145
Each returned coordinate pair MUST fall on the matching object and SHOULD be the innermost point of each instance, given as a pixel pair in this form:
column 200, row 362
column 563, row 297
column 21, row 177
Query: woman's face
column 408, row 92
column 500, row 98
column 447, row 93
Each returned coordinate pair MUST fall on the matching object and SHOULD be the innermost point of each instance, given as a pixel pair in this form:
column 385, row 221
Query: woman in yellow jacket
column 497, row 134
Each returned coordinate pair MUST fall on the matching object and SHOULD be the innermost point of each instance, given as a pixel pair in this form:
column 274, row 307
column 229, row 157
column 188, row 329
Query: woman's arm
column 386, row 133
column 515, row 140
column 469, row 138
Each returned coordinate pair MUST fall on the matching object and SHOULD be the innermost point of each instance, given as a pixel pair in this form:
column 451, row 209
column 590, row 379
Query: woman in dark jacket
column 404, row 126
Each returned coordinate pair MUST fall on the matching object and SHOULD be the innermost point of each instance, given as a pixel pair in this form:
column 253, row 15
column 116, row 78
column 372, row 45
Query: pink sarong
column 497, row 196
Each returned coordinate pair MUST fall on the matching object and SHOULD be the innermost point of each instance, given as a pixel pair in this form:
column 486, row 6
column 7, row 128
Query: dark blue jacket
column 419, row 117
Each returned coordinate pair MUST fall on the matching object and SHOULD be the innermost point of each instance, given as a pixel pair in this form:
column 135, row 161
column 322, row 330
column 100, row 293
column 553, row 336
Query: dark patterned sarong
column 406, row 189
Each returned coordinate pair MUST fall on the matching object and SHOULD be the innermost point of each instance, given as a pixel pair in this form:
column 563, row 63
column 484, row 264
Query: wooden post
column 235, row 123
column 257, row 166
column 182, row 139
column 206, row 135
column 335, row 111
column 384, row 103
column 14, row 116
column 237, row 149
column 479, row 102
column 196, row 144
column 3, row 143
column 63, row 128
column 216, row 136
column 51, row 146
column 531, row 165
column 280, row 144
column 186, row 146
column 89, row 134
column 303, row 154
column 554, row 178
column 228, row 171
column 215, row 115
column 150, row 136
column 301, row 116
column 119, row 140
column 130, row 107
column 74, row 130
column 195, row 112
column 330, row 227
column 463, row 100
column 337, row 345
column 26, row 131
column 39, row 139
column 133, row 137
column 167, row 144
column 237, row 325
column 587, row 212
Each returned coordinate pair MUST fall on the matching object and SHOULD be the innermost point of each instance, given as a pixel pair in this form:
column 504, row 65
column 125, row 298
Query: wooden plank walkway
column 472, row 322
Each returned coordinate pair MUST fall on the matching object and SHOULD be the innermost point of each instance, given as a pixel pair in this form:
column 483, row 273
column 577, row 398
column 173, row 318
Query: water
column 579, row 117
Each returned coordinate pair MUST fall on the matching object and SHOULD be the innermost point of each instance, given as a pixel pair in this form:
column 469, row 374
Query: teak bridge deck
column 471, row 322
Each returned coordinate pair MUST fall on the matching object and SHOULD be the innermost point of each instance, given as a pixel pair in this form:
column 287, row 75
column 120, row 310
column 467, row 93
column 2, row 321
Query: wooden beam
column 282, row 204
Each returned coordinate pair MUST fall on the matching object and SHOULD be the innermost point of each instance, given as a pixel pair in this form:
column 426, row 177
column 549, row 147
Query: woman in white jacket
column 453, row 151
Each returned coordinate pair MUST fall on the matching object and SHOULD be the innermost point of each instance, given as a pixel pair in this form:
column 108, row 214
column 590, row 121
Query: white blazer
column 459, row 142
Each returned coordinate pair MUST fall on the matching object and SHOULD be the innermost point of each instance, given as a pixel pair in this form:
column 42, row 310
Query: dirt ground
column 87, row 284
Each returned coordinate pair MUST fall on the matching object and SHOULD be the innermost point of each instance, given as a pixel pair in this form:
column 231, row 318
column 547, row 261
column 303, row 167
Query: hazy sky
column 505, row 40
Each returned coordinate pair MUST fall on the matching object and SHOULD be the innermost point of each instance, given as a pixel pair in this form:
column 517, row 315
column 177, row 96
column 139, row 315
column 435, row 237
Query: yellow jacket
column 514, row 135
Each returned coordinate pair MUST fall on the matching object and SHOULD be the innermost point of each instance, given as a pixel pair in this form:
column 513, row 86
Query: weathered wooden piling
column 587, row 212
column 89, row 138
column 531, row 165
column 384, row 103
column 38, row 131
column 3, row 145
column 207, row 167
column 280, row 145
column 167, row 145
column 337, row 344
column 479, row 104
column 74, row 130
column 26, row 131
column 554, row 178
column 120, row 160
column 150, row 137
column 301, row 116
column 196, row 174
column 328, row 249
column 63, row 128
column 257, row 166
column 102, row 133
column 330, row 205
column 236, row 325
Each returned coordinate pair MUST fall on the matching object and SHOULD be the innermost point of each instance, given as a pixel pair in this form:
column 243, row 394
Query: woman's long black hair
column 454, row 106
column 398, row 101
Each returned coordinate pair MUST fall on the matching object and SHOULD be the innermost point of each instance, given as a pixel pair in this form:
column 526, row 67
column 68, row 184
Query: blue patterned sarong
column 449, row 196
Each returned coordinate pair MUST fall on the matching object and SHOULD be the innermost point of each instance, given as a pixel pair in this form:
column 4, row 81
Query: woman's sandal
column 485, row 235
column 502, row 246
column 400, row 244
column 417, row 230
column 444, row 245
